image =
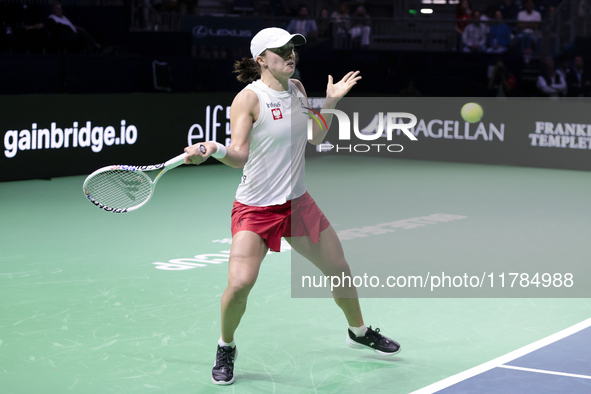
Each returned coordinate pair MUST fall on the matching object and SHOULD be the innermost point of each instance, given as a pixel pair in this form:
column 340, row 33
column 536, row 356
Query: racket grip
column 175, row 161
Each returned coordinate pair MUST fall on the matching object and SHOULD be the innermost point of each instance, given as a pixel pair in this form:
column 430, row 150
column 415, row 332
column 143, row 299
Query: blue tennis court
column 557, row 364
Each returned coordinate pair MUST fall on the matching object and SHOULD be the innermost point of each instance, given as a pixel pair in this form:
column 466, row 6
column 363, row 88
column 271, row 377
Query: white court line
column 570, row 375
column 432, row 388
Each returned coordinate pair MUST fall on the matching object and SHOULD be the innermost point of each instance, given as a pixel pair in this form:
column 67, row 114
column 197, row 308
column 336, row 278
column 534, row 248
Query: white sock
column 222, row 343
column 358, row 331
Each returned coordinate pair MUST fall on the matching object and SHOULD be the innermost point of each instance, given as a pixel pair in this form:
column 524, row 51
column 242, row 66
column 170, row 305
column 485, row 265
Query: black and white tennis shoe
column 223, row 369
column 373, row 340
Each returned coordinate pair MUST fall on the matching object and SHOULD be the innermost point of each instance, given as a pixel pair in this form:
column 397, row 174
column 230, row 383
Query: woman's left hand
column 341, row 88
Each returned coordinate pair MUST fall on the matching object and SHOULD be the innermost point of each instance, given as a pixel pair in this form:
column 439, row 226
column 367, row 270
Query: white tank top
column 274, row 172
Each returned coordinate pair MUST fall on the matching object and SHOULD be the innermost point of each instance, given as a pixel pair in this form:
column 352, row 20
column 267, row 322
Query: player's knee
column 239, row 288
column 338, row 267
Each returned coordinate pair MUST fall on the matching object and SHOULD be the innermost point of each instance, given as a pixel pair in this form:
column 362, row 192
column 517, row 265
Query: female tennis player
column 268, row 141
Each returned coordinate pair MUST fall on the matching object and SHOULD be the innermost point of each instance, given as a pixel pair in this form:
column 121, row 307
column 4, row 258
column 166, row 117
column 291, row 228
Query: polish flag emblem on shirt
column 276, row 112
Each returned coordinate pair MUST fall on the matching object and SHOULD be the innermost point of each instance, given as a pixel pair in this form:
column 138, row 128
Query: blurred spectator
column 583, row 11
column 324, row 24
column 489, row 13
column 341, row 22
column 474, row 35
column 278, row 7
column 563, row 65
column 463, row 13
column 551, row 82
column 501, row 82
column 142, row 10
column 68, row 36
column 303, row 24
column 361, row 26
column 552, row 30
column 488, row 17
column 509, row 10
column 341, row 19
column 577, row 80
column 530, row 31
column 499, row 36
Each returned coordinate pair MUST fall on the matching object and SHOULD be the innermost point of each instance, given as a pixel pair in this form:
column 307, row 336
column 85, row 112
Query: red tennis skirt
column 299, row 217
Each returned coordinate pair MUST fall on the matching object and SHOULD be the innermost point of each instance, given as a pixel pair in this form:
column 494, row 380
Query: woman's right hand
column 195, row 154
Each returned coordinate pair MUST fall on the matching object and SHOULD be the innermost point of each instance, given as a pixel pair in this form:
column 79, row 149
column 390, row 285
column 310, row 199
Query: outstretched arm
column 243, row 113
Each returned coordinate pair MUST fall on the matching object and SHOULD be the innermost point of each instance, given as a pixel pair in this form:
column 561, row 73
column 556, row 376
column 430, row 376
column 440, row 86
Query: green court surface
column 85, row 309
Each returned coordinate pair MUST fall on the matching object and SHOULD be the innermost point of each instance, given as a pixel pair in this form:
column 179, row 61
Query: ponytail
column 247, row 69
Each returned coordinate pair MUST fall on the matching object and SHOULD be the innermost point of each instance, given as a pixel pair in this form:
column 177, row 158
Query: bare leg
column 246, row 255
column 328, row 256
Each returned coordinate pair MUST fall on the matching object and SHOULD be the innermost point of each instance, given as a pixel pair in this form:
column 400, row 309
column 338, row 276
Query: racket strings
column 119, row 189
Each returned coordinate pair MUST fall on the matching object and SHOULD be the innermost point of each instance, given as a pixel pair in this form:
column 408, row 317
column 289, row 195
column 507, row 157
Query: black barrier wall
column 46, row 136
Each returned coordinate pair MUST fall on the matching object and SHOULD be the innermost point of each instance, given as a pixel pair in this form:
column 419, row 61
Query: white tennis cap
column 273, row 37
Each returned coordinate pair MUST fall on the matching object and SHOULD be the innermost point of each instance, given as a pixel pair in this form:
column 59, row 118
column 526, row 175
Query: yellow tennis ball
column 472, row 112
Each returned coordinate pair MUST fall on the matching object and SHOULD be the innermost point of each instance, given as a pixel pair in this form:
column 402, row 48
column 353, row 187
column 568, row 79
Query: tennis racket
column 123, row 188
